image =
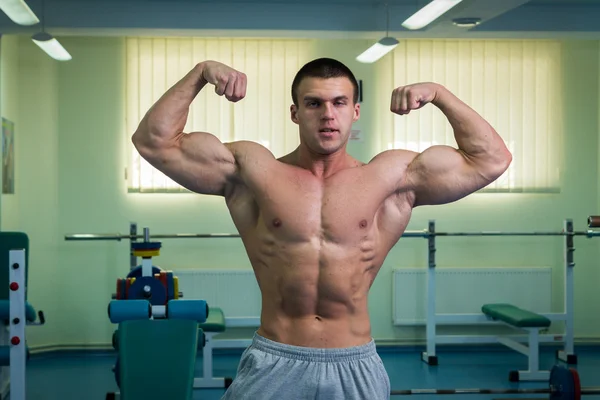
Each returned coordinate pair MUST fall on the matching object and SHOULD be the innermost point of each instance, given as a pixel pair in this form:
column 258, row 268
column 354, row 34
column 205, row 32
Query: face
column 325, row 113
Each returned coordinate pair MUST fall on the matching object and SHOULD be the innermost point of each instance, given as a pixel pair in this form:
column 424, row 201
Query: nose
column 327, row 111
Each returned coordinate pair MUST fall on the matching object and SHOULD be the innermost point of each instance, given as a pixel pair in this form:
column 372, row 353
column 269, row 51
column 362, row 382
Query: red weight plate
column 576, row 384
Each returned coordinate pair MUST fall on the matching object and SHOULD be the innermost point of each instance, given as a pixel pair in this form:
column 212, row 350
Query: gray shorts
column 272, row 370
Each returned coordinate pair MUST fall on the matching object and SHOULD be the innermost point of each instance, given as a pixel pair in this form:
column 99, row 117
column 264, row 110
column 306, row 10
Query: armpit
column 392, row 165
column 252, row 162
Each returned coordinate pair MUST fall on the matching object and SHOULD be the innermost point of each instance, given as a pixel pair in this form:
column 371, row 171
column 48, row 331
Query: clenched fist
column 226, row 80
column 412, row 97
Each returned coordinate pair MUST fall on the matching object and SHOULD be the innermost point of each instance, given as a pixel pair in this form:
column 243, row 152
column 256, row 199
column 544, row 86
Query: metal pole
column 408, row 234
column 17, row 344
column 431, row 295
column 500, row 233
column 132, row 238
column 568, row 277
column 468, row 391
column 430, row 357
column 586, row 391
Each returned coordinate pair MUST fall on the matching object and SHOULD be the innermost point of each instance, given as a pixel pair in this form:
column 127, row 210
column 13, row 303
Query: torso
column 317, row 244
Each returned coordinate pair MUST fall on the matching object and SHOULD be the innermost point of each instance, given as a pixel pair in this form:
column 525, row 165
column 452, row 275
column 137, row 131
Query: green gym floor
column 87, row 376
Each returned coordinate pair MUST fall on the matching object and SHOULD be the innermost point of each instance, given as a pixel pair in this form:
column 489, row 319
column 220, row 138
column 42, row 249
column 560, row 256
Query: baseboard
column 384, row 345
column 71, row 348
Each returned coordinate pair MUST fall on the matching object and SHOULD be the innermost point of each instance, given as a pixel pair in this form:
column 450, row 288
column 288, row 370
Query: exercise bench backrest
column 157, row 358
column 11, row 241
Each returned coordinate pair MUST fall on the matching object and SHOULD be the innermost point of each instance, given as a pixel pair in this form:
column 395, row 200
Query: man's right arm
column 198, row 161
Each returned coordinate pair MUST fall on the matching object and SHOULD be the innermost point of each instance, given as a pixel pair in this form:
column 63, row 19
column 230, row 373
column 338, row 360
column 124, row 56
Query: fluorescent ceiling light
column 19, row 12
column 51, row 46
column 429, row 13
column 378, row 50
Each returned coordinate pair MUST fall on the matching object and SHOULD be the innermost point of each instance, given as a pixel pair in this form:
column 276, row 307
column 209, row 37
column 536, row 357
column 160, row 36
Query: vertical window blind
column 155, row 64
column 514, row 84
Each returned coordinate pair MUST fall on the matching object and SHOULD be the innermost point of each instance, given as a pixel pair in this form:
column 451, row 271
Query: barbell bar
column 469, row 391
column 564, row 384
column 593, row 222
column 119, row 237
column 420, row 234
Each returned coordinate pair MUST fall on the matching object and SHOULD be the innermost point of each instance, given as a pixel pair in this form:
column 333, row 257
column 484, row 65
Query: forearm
column 167, row 117
column 474, row 135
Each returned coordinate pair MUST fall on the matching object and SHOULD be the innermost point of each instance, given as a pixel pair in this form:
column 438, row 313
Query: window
column 155, row 64
column 514, row 84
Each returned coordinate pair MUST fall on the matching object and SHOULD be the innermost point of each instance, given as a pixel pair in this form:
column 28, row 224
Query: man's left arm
column 443, row 174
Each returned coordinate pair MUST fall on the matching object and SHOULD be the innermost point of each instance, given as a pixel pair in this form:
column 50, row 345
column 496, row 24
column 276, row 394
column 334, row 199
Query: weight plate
column 170, row 286
column 123, row 289
column 157, row 295
column 137, row 271
column 163, row 278
column 146, row 245
column 119, row 294
column 577, row 383
column 562, row 384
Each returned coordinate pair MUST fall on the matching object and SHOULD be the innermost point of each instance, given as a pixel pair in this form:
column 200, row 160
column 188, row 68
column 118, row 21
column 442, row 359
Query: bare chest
column 341, row 210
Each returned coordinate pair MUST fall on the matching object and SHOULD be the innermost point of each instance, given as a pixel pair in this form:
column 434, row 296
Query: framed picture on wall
column 8, row 157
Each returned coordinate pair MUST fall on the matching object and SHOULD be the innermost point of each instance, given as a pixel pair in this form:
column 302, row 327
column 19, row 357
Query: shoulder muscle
column 391, row 166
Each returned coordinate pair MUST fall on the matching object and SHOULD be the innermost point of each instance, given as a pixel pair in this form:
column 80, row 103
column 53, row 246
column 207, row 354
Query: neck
column 321, row 165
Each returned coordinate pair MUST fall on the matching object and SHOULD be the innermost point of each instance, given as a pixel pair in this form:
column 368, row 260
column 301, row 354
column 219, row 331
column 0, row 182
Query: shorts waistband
column 314, row 354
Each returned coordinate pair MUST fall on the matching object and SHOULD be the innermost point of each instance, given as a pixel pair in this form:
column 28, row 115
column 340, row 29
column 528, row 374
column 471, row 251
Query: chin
column 330, row 148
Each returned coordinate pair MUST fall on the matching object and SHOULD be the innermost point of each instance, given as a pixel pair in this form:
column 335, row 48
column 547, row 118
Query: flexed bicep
column 443, row 174
column 198, row 161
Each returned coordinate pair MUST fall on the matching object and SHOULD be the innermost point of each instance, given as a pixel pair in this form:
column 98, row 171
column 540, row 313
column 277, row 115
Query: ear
column 294, row 113
column 356, row 112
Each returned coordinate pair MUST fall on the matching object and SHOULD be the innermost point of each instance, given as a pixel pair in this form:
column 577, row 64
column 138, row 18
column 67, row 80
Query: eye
column 340, row 103
column 312, row 104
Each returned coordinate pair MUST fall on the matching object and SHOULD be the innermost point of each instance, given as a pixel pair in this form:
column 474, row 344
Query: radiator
column 465, row 290
column 236, row 292
column 458, row 290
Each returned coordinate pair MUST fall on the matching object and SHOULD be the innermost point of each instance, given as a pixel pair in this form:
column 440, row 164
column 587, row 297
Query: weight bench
column 15, row 313
column 31, row 318
column 156, row 359
column 528, row 321
column 214, row 324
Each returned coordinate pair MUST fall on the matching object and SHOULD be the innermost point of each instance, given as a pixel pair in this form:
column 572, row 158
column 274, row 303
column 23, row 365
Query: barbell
column 593, row 221
column 413, row 234
column 564, row 384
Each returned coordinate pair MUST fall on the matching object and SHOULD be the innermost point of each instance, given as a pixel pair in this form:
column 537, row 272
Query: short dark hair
column 323, row 68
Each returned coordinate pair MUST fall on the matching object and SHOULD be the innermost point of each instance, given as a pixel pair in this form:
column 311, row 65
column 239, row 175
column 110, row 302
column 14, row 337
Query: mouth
column 327, row 132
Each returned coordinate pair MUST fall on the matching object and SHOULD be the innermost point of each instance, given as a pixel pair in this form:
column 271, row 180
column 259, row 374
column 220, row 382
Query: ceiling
column 309, row 18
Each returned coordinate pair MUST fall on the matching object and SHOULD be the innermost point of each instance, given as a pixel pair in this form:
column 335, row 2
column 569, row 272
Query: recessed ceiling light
column 466, row 22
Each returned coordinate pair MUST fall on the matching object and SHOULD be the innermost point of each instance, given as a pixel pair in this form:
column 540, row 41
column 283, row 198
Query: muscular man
column 317, row 224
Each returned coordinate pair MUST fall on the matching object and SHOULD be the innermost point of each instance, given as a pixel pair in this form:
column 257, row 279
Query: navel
column 276, row 222
column 363, row 223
